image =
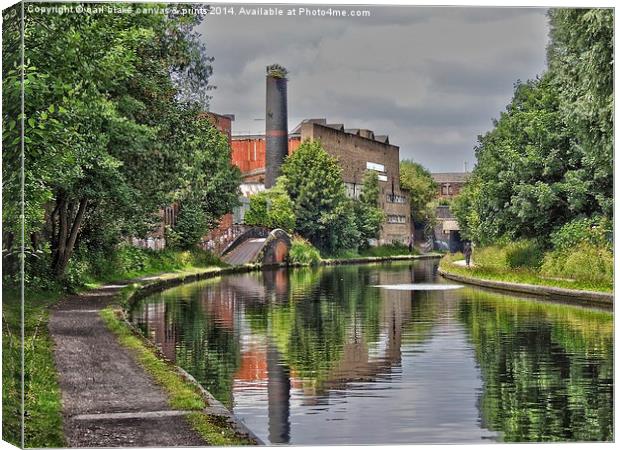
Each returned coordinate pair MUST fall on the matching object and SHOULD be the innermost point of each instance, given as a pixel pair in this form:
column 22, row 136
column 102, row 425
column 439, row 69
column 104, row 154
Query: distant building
column 450, row 183
column 217, row 237
column 357, row 150
column 447, row 230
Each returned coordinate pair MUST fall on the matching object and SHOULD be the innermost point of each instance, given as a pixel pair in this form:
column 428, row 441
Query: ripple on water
column 419, row 287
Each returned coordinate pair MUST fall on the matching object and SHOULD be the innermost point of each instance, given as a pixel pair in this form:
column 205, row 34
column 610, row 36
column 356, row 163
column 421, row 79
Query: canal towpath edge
column 109, row 399
column 576, row 295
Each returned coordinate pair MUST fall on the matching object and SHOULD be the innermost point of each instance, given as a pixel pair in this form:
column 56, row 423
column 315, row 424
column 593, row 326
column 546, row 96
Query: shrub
column 596, row 230
column 304, row 253
column 524, row 254
column 513, row 255
column 394, row 249
column 272, row 209
column 584, row 262
column 190, row 226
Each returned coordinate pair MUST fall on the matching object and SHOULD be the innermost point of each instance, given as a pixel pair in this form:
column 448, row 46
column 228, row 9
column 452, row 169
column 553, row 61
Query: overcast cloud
column 431, row 78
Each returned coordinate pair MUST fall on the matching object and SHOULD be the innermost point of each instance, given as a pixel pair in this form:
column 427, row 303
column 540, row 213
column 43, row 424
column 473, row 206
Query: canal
column 388, row 353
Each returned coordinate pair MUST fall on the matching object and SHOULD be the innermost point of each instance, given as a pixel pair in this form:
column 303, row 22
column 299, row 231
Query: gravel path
column 108, row 399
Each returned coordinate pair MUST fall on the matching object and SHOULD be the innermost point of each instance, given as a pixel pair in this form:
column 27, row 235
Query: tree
column 272, row 208
column 581, row 58
column 422, row 190
column 549, row 158
column 369, row 216
column 519, row 187
column 323, row 213
column 101, row 114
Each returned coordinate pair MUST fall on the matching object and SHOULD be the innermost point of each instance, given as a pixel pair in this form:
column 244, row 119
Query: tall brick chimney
column 276, row 123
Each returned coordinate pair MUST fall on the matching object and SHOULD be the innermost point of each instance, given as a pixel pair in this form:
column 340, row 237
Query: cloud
column 431, row 78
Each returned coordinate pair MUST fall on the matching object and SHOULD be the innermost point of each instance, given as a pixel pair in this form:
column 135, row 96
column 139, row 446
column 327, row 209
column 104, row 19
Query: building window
column 375, row 166
column 393, row 218
column 445, row 189
column 395, row 198
column 353, row 190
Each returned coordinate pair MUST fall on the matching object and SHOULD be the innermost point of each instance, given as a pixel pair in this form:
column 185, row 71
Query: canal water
column 388, row 353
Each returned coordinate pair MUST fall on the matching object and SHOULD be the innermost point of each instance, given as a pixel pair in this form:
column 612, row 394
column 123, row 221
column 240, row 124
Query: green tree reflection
column 547, row 368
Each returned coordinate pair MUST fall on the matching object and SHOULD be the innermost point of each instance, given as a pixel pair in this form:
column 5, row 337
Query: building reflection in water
column 354, row 344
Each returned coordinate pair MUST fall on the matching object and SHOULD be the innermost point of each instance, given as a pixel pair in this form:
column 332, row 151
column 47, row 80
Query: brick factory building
column 357, row 150
column 449, row 184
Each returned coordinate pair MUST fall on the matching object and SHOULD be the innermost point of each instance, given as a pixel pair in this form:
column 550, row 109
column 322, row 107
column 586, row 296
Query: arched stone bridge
column 258, row 245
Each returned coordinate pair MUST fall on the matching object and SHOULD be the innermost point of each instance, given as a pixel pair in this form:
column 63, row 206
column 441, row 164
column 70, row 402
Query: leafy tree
column 549, row 158
column 272, row 208
column 369, row 216
column 581, row 57
column 422, row 190
column 105, row 137
column 324, row 215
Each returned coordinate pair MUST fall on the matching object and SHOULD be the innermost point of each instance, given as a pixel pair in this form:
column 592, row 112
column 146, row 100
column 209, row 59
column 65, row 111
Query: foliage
column 43, row 408
column 597, row 231
column 583, row 261
column 491, row 271
column 190, row 226
column 581, row 57
column 511, row 255
column 272, row 208
column 324, row 215
column 549, row 157
column 277, row 71
column 394, row 249
column 369, row 216
column 422, row 190
column 107, row 140
column 303, row 253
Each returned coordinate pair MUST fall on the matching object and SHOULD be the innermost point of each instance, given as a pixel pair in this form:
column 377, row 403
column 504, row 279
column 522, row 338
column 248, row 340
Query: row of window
column 393, row 218
column 395, row 198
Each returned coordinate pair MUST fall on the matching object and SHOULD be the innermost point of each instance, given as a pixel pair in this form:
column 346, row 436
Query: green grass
column 182, row 394
column 518, row 275
column 130, row 262
column 303, row 253
column 43, row 409
column 381, row 251
column 43, row 423
column 216, row 431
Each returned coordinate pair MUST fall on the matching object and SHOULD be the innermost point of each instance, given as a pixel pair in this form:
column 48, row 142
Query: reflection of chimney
column 278, row 397
column 276, row 123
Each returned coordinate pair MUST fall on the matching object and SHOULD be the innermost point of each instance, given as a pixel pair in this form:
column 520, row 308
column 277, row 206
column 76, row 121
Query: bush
column 394, row 249
column 271, row 209
column 583, row 262
column 190, row 227
column 598, row 231
column 526, row 254
column 304, row 253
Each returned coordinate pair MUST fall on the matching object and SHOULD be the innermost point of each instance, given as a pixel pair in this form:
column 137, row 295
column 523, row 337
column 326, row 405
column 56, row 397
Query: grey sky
column 431, row 78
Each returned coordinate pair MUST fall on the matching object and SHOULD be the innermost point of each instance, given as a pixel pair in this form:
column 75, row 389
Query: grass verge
column 518, row 275
column 182, row 394
column 42, row 405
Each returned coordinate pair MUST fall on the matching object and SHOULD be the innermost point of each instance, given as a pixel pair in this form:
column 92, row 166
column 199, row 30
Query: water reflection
column 321, row 356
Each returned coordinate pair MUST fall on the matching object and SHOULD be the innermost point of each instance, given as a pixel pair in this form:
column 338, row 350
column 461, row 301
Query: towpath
column 108, row 399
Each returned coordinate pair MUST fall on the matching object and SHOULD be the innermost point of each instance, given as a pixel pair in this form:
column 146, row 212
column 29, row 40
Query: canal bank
column 111, row 394
column 575, row 295
column 115, row 389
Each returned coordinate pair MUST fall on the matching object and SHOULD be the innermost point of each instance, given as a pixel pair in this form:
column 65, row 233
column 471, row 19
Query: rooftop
column 296, row 132
column 451, row 177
